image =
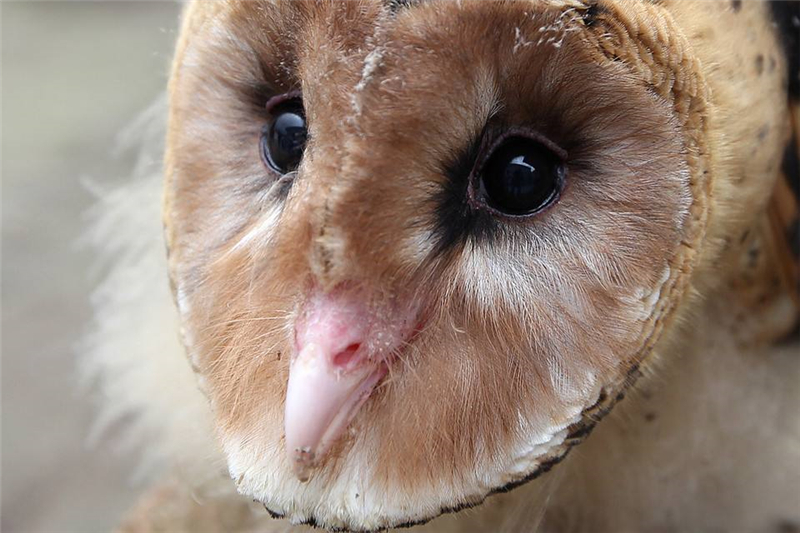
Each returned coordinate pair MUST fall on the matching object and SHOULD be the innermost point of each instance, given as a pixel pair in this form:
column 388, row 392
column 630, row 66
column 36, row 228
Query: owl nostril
column 343, row 358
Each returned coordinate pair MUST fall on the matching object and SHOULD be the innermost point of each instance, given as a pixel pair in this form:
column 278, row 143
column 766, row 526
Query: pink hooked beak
column 343, row 349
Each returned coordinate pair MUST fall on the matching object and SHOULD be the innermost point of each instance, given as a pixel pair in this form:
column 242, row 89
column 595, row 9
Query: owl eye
column 522, row 177
column 283, row 139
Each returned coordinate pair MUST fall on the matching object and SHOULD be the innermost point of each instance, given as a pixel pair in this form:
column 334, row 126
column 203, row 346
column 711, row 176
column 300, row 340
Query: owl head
column 420, row 248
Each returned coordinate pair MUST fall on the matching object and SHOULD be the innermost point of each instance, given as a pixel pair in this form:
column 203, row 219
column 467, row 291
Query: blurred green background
column 74, row 74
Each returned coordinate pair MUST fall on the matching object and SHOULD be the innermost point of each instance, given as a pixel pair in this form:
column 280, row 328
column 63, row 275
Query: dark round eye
column 522, row 177
column 284, row 138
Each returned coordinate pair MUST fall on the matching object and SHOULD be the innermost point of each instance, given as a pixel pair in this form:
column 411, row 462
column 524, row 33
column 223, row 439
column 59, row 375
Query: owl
column 419, row 251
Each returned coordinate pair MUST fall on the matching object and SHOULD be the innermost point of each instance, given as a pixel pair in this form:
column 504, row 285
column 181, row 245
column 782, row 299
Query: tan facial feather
column 526, row 321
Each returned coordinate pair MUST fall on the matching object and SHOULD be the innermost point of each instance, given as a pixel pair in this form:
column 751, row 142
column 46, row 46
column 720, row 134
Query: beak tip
column 303, row 461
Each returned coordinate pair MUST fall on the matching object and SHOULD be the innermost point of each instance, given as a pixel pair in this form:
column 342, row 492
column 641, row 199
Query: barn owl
column 420, row 250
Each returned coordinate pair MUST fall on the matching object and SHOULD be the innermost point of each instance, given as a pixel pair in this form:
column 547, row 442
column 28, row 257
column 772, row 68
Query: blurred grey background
column 73, row 75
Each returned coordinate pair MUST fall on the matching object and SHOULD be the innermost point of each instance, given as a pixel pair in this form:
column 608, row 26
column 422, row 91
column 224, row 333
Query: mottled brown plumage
column 664, row 267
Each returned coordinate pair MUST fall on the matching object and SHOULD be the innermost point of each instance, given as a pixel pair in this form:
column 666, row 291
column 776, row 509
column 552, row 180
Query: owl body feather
column 674, row 118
